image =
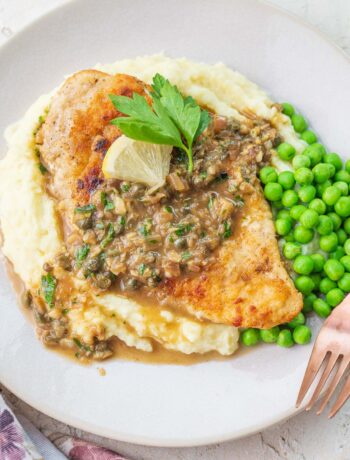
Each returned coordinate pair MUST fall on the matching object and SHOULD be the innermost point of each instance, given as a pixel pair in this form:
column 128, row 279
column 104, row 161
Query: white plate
column 168, row 405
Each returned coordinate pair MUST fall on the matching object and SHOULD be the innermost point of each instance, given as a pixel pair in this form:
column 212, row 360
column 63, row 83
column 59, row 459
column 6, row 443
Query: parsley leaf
column 172, row 119
column 48, row 286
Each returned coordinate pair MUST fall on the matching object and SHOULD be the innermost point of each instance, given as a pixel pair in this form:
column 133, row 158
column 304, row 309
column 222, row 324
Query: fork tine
column 341, row 369
column 330, row 364
column 343, row 396
column 316, row 359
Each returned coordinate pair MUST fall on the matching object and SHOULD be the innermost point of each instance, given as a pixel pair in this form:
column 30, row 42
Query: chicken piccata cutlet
column 204, row 243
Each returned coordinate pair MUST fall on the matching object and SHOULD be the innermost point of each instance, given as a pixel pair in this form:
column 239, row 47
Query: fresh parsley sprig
column 171, row 120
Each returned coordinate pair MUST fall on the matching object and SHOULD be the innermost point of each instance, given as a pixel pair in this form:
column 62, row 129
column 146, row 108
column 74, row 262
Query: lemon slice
column 136, row 161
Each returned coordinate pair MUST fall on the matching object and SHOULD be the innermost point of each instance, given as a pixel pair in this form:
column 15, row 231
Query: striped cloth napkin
column 20, row 440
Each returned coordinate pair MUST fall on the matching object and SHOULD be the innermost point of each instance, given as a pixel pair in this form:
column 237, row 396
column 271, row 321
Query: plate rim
column 148, row 441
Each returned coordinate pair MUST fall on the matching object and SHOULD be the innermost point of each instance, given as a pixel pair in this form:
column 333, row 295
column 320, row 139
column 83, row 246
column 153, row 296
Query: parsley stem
column 190, row 159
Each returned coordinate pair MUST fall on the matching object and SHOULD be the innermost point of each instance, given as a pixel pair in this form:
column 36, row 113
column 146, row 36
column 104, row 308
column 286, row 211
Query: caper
column 64, row 261
column 104, row 280
column 47, row 267
column 154, row 280
column 180, row 243
column 84, row 223
column 118, row 228
column 131, row 284
column 92, row 265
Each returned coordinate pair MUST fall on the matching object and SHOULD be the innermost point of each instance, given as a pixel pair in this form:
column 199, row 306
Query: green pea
column 335, row 296
column 291, row 250
column 289, row 198
column 327, row 285
column 287, row 109
column 342, row 236
column 285, row 338
column 334, row 269
column 343, row 187
column 322, row 308
column 329, row 243
column 273, row 191
column 315, row 152
column 277, row 204
column 283, row 226
column 286, row 151
column 344, row 283
column 302, row 335
column 296, row 211
column 333, row 159
column 309, row 137
column 301, row 161
column 345, row 260
column 338, row 253
column 325, row 225
column 299, row 123
column 319, row 260
column 283, row 214
column 335, row 219
column 268, row 174
column 297, row 321
column 322, row 172
column 270, row 335
column 342, row 176
column 347, row 166
column 320, row 188
column 286, row 179
column 309, row 218
column 250, row 337
column 308, row 303
column 346, row 225
column 307, row 193
column 304, row 284
column 342, row 206
column 316, row 278
column 303, row 265
column 304, row 176
column 317, row 205
column 289, row 238
column 347, row 247
column 303, row 235
column 331, row 195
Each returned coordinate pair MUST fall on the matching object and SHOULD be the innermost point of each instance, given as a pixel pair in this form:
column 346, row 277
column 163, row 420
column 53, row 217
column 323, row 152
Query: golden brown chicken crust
column 248, row 285
column 77, row 131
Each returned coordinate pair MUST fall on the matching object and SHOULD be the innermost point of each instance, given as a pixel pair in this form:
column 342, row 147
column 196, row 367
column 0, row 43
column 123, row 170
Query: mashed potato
column 32, row 234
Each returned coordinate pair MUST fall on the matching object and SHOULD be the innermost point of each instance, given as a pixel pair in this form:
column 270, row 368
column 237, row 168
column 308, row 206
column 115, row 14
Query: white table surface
column 304, row 437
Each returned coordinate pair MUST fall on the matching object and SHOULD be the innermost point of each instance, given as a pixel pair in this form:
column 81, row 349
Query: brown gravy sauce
column 159, row 355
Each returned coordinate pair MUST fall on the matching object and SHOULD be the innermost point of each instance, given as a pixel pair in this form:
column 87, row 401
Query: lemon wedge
column 136, row 161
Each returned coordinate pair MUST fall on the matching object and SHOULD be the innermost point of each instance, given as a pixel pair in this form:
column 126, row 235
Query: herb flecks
column 227, row 229
column 172, row 119
column 82, row 253
column 183, row 229
column 106, row 202
column 48, row 287
column 87, row 209
column 109, row 237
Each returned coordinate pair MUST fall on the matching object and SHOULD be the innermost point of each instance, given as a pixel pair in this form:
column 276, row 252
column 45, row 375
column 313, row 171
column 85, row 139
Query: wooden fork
column 332, row 347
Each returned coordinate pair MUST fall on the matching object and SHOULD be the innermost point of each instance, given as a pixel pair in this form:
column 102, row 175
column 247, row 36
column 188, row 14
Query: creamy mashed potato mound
column 31, row 230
